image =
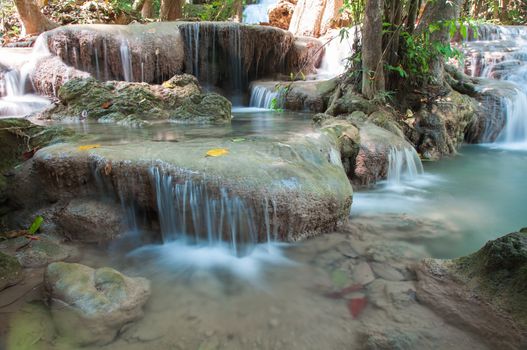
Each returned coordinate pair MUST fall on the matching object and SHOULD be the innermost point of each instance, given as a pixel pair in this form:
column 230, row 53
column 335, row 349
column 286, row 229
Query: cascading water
column 259, row 12
column 337, row 51
column 126, row 61
column 404, row 165
column 263, row 96
column 191, row 212
column 208, row 47
column 499, row 54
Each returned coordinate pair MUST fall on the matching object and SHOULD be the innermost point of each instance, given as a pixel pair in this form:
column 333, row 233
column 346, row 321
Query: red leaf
column 29, row 154
column 356, row 305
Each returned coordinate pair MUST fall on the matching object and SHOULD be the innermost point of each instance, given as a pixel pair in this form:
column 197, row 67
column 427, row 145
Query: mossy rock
column 499, row 269
column 10, row 271
column 19, row 137
column 206, row 108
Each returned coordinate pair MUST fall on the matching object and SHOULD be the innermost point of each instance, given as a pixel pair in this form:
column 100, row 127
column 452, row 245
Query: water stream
column 214, row 286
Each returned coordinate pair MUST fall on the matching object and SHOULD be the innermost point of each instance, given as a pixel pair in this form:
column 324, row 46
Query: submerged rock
column 10, row 271
column 43, row 251
column 133, row 103
column 92, row 305
column 483, row 292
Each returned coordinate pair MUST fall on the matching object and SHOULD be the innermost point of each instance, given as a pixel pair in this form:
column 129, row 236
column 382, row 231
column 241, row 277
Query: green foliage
column 355, row 8
column 215, row 10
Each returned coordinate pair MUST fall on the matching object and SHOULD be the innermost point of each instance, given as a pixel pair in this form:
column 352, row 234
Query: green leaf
column 36, row 225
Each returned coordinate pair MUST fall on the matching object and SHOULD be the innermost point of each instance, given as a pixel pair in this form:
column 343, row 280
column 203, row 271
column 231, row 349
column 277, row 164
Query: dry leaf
column 87, row 147
column 107, row 104
column 216, row 152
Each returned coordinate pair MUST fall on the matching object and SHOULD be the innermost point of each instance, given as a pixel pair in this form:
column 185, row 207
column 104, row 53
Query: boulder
column 132, row 104
column 364, row 147
column 483, row 292
column 89, row 220
column 439, row 128
column 44, row 251
column 206, row 108
column 10, row 271
column 92, row 305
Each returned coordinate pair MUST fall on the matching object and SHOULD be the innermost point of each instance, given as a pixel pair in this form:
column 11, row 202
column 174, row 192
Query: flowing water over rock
column 259, row 12
column 499, row 53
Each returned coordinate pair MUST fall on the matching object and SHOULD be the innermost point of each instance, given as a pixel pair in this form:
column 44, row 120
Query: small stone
column 209, row 333
column 273, row 323
column 363, row 274
column 387, row 272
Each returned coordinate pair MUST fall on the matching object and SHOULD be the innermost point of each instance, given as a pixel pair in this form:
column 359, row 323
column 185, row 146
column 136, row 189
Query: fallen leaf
column 35, row 225
column 33, row 238
column 29, row 154
column 339, row 278
column 87, row 147
column 216, row 152
column 238, row 139
column 107, row 104
column 356, row 306
column 168, row 85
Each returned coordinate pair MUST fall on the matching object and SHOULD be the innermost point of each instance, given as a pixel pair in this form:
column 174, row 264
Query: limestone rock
column 86, row 220
column 301, row 175
column 206, row 108
column 133, row 103
column 483, row 292
column 92, row 305
column 10, row 271
column 44, row 251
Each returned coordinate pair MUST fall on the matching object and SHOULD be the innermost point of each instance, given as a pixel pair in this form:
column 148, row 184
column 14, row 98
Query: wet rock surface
column 133, row 104
column 91, row 221
column 93, row 304
column 482, row 292
column 10, row 271
column 301, row 177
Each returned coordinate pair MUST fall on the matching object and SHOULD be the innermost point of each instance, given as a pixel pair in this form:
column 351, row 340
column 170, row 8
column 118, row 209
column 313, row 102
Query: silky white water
column 259, row 12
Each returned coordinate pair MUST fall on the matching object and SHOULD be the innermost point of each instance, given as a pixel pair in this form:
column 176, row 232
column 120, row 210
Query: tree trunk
column 412, row 16
column 138, row 5
column 372, row 67
column 238, row 10
column 33, row 21
column 147, row 11
column 438, row 12
column 170, row 10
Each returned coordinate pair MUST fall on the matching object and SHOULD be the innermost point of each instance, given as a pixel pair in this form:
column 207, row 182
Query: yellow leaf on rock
column 168, row 85
column 216, row 152
column 87, row 147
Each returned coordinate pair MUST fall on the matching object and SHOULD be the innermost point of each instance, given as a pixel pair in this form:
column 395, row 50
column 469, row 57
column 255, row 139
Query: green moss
column 500, row 271
column 10, row 271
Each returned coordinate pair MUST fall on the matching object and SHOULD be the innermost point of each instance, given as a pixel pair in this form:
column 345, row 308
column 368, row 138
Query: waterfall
column 16, row 87
column 191, row 211
column 262, row 96
column 258, row 13
column 515, row 132
column 404, row 165
column 126, row 61
column 499, row 53
column 208, row 47
column 337, row 50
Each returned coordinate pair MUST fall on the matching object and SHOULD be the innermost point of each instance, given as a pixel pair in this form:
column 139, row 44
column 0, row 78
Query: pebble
column 273, row 323
column 363, row 273
column 387, row 272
